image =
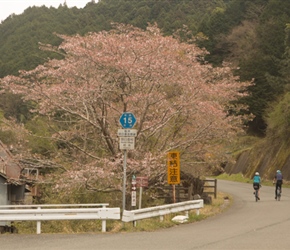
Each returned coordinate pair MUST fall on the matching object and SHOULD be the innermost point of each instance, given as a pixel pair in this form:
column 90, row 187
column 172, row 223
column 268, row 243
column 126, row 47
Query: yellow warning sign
column 173, row 167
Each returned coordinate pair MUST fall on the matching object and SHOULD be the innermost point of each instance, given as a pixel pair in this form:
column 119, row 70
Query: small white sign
column 133, row 198
column 127, row 132
column 127, row 142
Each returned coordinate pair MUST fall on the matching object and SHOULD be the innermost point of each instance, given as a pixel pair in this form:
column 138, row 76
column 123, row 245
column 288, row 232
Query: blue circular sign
column 127, row 120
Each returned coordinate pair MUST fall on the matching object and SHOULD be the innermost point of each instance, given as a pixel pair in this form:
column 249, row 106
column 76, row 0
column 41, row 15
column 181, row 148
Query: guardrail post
column 215, row 188
column 104, row 226
column 197, row 212
column 38, row 225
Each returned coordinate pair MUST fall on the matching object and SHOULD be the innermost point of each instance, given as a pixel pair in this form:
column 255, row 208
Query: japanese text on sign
column 142, row 181
column 173, row 167
column 127, row 132
column 127, row 142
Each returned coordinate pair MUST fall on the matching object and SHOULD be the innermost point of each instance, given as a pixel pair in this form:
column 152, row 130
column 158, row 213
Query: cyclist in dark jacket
column 278, row 179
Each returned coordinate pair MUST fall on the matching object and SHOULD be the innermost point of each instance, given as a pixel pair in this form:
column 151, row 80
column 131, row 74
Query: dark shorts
column 279, row 184
column 256, row 186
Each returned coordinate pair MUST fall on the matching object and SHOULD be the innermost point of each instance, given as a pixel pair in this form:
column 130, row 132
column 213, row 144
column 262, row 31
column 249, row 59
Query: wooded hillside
column 253, row 35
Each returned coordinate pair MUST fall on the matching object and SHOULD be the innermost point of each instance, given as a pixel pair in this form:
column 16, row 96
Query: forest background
column 251, row 35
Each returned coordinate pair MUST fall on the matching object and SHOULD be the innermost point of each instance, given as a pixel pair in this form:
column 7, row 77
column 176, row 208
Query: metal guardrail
column 150, row 212
column 59, row 212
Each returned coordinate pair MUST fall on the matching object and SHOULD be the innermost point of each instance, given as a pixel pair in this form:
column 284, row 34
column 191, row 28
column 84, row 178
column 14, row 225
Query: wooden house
column 12, row 186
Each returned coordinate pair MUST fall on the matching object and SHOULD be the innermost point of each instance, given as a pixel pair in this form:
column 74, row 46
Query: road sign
column 133, row 191
column 127, row 132
column 127, row 120
column 133, row 198
column 173, row 167
column 127, row 142
column 142, row 181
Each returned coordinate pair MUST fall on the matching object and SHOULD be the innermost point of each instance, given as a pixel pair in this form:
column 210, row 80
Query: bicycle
column 278, row 193
column 256, row 193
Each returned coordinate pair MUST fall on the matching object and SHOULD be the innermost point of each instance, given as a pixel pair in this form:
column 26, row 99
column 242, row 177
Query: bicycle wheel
column 278, row 194
column 256, row 195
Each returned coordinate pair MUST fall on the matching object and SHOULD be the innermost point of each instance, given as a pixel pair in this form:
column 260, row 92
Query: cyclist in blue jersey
column 278, row 179
column 257, row 183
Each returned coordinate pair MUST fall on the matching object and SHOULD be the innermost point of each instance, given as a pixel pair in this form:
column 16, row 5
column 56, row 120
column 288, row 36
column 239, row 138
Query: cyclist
column 257, row 183
column 278, row 179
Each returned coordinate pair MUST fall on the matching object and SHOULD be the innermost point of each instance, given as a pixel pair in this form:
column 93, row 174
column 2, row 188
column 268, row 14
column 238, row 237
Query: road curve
column 245, row 225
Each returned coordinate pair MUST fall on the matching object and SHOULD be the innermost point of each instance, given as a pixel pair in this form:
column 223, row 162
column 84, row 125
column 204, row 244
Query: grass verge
column 240, row 178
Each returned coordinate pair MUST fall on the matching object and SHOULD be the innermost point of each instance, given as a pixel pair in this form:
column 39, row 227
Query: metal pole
column 173, row 193
column 140, row 197
column 124, row 180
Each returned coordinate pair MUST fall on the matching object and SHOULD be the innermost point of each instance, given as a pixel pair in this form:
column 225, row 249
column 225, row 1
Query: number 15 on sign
column 127, row 120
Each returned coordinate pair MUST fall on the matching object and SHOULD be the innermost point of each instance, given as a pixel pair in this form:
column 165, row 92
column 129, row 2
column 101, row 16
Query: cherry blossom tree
column 180, row 102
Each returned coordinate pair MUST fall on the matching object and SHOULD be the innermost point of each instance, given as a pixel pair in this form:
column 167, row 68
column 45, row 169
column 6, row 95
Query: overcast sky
column 8, row 7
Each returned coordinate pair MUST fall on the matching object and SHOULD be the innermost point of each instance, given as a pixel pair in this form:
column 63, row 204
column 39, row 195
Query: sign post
column 127, row 141
column 124, row 179
column 141, row 182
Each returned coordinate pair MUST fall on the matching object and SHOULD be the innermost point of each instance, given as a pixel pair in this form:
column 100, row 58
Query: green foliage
column 20, row 34
column 261, row 59
column 15, row 108
column 7, row 135
column 278, row 119
column 234, row 177
column 265, row 64
column 39, row 141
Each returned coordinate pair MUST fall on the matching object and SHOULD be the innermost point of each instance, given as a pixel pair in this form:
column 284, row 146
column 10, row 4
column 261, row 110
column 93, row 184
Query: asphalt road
column 245, row 225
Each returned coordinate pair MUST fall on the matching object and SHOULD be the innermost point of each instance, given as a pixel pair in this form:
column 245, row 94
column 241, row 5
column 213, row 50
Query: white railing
column 150, row 212
column 59, row 212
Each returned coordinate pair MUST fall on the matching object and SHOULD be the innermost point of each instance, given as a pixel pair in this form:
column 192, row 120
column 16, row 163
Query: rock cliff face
column 264, row 159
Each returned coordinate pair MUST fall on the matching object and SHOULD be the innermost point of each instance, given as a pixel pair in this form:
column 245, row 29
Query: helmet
column 278, row 171
column 257, row 173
